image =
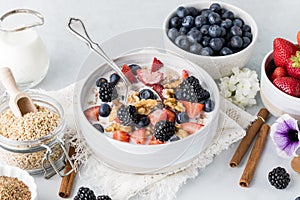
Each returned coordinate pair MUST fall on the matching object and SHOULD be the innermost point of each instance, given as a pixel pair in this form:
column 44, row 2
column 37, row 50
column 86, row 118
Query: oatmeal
column 13, row 189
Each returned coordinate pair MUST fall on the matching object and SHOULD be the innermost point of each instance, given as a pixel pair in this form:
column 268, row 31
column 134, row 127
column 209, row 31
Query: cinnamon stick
column 250, row 135
column 254, row 156
column 67, row 181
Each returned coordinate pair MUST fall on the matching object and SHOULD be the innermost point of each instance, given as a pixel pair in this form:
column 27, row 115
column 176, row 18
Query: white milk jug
column 23, row 51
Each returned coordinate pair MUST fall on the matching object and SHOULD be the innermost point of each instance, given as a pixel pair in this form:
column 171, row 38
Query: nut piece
column 113, row 113
column 145, row 106
column 181, row 133
column 173, row 84
column 133, row 97
column 116, row 127
column 174, row 104
column 168, row 93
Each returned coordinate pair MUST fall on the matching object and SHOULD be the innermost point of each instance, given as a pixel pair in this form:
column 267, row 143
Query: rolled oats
column 13, row 189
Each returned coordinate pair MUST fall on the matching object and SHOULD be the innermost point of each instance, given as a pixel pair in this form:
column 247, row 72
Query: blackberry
column 85, row 193
column 279, row 178
column 164, row 130
column 103, row 197
column 107, row 92
column 192, row 91
column 127, row 115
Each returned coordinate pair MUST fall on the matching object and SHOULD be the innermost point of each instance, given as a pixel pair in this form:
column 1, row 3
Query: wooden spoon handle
column 8, row 81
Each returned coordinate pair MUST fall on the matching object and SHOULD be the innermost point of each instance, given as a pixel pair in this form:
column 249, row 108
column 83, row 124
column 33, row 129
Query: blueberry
column 182, row 118
column 173, row 34
column 134, row 68
column 236, row 31
column 206, row 51
column 188, row 21
column 143, row 122
column 225, row 51
column 104, row 110
column 194, row 36
column 99, row 127
column 200, row 20
column 223, row 10
column 248, row 34
column 227, row 23
column 100, row 81
column 114, row 79
column 208, row 105
column 205, row 41
column 174, row 138
column 194, row 29
column 205, row 12
column 246, row 42
column 182, row 12
column 214, row 18
column 204, row 29
column 228, row 15
column 192, row 11
column 238, row 22
column 146, row 94
column 216, row 44
column 175, row 22
column 195, row 48
column 183, row 30
column 223, row 32
column 215, row 7
column 246, row 28
column 214, row 31
column 297, row 198
column 183, row 42
column 236, row 42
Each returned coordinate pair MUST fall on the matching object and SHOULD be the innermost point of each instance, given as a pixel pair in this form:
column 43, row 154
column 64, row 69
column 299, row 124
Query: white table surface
column 105, row 19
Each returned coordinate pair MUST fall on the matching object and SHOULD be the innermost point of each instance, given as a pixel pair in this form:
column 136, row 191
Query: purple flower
column 285, row 135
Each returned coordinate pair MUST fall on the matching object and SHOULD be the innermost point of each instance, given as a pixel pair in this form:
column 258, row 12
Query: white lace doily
column 123, row 186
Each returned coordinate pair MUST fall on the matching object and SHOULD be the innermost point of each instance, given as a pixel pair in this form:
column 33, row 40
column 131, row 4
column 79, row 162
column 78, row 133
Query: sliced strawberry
column 117, row 120
column 155, row 141
column 128, row 73
column 282, row 51
column 156, row 65
column 278, row 72
column 289, row 85
column 298, row 38
column 92, row 114
column 158, row 88
column 192, row 109
column 185, row 74
column 293, row 67
column 157, row 116
column 170, row 115
column 191, row 127
column 121, row 136
column 149, row 78
column 139, row 136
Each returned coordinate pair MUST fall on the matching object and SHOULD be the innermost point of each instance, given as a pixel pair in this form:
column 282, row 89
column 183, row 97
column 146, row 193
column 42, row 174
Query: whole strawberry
column 282, row 51
column 278, row 72
column 289, row 85
column 293, row 67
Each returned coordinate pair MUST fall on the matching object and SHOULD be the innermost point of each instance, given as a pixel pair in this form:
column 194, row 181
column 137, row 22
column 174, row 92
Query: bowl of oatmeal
column 16, row 183
column 29, row 142
column 169, row 116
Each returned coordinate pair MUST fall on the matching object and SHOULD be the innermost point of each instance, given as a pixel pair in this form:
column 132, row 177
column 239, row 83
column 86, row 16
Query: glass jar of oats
column 34, row 142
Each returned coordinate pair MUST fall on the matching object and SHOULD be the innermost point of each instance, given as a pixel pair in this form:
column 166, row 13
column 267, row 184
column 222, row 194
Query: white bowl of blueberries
column 215, row 35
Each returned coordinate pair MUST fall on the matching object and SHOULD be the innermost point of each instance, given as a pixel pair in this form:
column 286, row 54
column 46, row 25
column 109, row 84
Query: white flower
column 241, row 87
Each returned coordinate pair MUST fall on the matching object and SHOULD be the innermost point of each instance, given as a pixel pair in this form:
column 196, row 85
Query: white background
column 105, row 18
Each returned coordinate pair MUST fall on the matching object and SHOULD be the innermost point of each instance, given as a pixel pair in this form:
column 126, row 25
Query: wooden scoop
column 20, row 103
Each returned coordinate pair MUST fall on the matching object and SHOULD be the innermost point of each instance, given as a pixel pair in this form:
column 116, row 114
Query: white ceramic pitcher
column 23, row 51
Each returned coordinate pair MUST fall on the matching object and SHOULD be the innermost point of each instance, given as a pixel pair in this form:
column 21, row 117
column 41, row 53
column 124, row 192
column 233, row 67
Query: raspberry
column 85, row 193
column 279, row 178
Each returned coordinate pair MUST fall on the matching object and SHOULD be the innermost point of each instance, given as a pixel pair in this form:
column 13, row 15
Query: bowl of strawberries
column 280, row 78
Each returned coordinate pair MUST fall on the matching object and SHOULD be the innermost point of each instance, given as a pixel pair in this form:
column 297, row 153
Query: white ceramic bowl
column 145, row 159
column 276, row 101
column 22, row 175
column 216, row 66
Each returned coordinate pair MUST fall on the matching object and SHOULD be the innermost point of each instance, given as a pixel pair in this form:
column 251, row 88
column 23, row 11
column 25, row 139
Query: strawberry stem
column 296, row 60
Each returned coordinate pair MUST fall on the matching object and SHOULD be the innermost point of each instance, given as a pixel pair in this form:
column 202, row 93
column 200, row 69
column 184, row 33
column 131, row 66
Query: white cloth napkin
column 123, row 186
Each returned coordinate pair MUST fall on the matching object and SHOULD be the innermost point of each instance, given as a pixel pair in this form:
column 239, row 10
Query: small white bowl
column 216, row 66
column 22, row 175
column 276, row 101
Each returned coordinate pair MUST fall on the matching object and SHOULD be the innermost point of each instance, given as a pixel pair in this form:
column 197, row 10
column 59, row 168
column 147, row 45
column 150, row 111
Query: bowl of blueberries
column 215, row 35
